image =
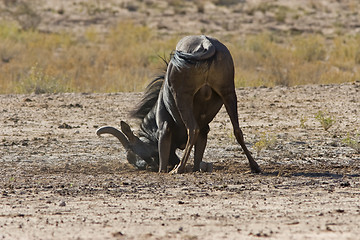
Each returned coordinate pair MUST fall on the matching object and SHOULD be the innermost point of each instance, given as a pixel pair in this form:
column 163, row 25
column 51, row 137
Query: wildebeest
column 177, row 107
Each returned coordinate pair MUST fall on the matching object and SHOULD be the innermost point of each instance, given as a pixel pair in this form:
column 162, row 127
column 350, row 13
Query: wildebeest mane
column 150, row 96
column 149, row 99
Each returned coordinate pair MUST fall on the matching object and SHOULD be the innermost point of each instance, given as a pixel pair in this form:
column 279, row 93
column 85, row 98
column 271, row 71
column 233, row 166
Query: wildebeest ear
column 125, row 128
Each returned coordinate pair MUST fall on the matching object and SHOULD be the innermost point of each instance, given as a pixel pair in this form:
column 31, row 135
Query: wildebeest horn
column 115, row 132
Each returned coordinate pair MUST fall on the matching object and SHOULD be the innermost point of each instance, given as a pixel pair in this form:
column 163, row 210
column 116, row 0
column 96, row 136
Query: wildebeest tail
column 185, row 55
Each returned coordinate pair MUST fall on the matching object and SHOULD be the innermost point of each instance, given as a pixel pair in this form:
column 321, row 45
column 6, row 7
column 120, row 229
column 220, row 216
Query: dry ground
column 60, row 181
column 169, row 17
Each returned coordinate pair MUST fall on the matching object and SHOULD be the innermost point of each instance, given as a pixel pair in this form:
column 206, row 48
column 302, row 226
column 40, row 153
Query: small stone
column 62, row 204
column 65, row 126
column 345, row 184
column 117, row 234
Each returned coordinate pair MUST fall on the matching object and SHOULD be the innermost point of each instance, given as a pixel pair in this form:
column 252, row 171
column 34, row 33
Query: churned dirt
column 60, row 181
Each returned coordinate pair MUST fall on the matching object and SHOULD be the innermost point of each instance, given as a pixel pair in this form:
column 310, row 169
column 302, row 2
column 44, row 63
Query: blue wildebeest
column 177, row 108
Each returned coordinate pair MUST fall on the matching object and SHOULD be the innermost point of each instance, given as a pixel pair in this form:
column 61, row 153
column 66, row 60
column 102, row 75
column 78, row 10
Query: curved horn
column 115, row 132
column 138, row 151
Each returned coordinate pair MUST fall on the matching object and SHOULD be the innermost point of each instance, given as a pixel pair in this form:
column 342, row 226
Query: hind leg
column 230, row 103
column 200, row 148
column 173, row 159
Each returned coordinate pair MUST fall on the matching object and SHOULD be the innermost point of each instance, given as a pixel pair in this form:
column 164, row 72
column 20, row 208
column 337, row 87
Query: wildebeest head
column 142, row 152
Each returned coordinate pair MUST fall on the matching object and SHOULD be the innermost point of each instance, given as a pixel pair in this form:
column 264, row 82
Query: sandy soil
column 169, row 17
column 60, row 181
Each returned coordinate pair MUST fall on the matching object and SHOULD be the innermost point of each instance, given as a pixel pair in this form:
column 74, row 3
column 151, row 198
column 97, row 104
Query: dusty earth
column 60, row 181
column 169, row 17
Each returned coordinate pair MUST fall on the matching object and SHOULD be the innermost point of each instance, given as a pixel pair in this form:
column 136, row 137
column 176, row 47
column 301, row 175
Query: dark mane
column 151, row 94
column 149, row 99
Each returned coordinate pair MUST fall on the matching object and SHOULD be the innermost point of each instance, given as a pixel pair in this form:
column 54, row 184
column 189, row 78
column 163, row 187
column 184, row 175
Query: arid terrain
column 214, row 17
column 59, row 180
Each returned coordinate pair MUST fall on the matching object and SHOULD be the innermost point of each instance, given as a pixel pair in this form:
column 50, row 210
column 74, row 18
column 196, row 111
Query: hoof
column 176, row 170
column 255, row 169
column 206, row 167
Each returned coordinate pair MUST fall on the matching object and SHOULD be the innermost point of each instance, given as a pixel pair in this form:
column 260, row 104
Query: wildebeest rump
column 177, row 108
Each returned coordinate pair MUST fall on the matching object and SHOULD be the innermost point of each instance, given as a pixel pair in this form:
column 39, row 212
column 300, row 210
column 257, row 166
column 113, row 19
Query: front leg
column 192, row 137
column 164, row 146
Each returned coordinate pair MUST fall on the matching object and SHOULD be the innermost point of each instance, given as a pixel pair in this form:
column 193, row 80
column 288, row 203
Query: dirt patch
column 330, row 17
column 60, row 181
